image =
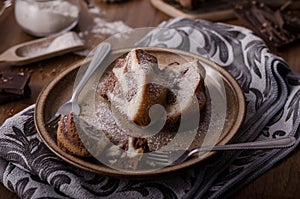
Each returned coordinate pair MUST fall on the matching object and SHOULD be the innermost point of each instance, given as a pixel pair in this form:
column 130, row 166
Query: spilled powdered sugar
column 96, row 10
column 100, row 29
column 104, row 27
column 108, row 28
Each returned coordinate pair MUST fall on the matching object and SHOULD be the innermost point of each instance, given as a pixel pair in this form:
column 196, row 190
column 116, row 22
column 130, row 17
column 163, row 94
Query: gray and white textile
column 272, row 93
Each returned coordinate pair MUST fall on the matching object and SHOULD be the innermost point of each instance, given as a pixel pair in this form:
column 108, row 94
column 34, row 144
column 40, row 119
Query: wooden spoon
column 41, row 49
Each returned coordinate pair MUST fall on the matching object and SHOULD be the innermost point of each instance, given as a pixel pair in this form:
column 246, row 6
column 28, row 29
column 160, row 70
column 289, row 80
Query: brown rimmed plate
column 217, row 81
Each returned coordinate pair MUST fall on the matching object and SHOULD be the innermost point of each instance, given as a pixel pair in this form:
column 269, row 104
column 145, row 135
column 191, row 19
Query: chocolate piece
column 268, row 24
column 14, row 86
column 14, row 83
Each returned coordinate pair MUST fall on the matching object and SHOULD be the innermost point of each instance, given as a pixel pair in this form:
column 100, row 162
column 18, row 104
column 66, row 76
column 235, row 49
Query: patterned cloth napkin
column 272, row 93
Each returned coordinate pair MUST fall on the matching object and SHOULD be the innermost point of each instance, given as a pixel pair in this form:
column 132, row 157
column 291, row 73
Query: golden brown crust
column 68, row 139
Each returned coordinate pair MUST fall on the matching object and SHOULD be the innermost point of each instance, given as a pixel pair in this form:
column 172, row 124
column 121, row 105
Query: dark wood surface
column 282, row 181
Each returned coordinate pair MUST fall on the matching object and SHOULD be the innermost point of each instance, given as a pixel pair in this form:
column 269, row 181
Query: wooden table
column 282, row 181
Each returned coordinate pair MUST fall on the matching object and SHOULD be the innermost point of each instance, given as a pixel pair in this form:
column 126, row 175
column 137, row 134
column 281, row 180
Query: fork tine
column 52, row 123
column 158, row 158
column 166, row 158
column 156, row 162
column 159, row 154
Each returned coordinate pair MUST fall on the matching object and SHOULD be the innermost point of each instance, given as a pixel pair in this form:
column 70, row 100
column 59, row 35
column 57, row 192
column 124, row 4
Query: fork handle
column 5, row 5
column 101, row 52
column 264, row 144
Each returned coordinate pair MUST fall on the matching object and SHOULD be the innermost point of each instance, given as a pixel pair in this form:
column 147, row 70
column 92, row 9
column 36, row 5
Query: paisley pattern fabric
column 272, row 93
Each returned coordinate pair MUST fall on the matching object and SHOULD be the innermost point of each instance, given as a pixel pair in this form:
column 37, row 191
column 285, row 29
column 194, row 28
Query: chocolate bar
column 275, row 27
column 14, row 86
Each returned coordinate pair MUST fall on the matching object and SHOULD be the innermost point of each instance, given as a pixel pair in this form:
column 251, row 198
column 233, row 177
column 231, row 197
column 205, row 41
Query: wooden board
column 209, row 11
column 213, row 10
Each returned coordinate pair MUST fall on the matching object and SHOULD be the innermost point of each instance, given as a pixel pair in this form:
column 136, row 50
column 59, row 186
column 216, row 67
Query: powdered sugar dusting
column 96, row 10
column 99, row 115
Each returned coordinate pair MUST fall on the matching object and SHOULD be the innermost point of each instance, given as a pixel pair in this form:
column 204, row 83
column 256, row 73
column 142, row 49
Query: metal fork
column 171, row 158
column 72, row 105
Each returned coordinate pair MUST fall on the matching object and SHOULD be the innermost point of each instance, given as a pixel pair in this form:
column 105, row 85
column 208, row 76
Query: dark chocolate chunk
column 14, row 83
column 14, row 86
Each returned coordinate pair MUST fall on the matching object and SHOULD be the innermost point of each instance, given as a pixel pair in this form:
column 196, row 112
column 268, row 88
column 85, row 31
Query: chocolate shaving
column 289, row 20
column 278, row 28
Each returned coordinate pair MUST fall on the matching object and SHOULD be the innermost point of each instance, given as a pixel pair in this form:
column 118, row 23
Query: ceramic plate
column 224, row 95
